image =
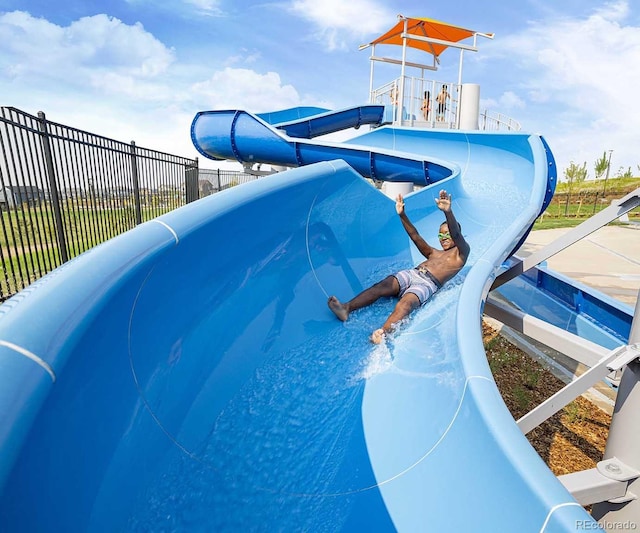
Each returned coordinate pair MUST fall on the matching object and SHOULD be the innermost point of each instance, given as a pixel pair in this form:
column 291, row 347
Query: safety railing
column 497, row 122
column 431, row 104
column 216, row 180
column 63, row 191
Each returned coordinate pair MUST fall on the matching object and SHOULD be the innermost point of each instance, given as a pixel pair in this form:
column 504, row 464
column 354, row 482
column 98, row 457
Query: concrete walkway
column 607, row 260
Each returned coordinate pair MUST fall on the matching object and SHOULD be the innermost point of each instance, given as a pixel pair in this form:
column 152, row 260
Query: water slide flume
column 239, row 135
column 310, row 122
column 194, row 377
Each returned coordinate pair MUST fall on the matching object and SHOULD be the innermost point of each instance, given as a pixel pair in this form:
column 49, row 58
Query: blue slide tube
column 248, row 139
column 312, row 122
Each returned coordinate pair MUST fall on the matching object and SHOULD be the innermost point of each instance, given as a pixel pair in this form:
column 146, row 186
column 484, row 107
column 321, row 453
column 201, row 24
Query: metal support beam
column 582, row 350
column 450, row 44
column 615, row 360
column 399, row 62
column 609, row 481
column 615, row 210
column 373, row 53
column 623, row 441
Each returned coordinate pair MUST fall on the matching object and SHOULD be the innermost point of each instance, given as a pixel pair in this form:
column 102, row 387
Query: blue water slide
column 292, row 114
column 236, row 134
column 310, row 122
column 188, row 375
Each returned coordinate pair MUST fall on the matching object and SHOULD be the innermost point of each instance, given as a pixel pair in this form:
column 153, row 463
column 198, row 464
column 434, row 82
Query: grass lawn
column 572, row 206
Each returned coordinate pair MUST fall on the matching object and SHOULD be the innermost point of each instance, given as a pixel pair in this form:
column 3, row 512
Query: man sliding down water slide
column 413, row 287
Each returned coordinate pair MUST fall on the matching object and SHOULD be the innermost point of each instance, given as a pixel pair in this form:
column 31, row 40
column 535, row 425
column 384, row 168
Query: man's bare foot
column 377, row 336
column 339, row 309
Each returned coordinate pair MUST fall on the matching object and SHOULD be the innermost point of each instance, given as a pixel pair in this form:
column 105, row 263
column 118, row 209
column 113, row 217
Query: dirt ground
column 574, row 438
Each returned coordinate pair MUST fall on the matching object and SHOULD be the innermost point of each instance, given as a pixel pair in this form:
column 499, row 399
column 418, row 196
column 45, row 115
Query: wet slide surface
column 194, row 378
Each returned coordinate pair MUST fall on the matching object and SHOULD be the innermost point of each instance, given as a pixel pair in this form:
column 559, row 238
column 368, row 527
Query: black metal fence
column 211, row 181
column 63, row 191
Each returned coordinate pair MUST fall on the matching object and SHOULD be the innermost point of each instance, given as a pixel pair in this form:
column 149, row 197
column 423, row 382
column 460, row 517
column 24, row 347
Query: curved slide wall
column 188, row 375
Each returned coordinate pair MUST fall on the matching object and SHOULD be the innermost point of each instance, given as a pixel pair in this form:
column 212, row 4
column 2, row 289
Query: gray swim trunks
column 419, row 282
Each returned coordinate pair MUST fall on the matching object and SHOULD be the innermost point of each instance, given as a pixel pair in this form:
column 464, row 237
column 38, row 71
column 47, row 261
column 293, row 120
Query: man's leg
column 404, row 307
column 389, row 286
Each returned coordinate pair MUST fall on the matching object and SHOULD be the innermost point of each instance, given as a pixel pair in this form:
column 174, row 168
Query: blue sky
column 140, row 69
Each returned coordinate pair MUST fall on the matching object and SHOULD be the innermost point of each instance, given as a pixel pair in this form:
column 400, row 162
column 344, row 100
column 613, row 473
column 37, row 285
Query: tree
column 600, row 168
column 601, row 165
column 625, row 174
column 577, row 173
column 574, row 173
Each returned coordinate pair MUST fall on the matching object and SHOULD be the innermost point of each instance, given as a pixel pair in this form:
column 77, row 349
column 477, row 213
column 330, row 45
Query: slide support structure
column 623, row 441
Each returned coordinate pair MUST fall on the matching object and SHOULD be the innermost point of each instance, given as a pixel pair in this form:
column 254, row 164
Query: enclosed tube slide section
column 189, row 376
column 248, row 139
column 310, row 122
column 292, row 114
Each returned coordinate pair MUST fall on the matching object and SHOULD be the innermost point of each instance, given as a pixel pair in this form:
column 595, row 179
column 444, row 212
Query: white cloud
column 244, row 57
column 36, row 46
column 242, row 88
column 488, row 103
column 339, row 22
column 123, row 85
column 510, row 101
column 181, row 8
column 618, row 10
column 117, row 80
column 207, row 7
column 583, row 72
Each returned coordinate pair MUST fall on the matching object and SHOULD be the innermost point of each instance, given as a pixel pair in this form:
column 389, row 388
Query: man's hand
column 399, row 204
column 444, row 201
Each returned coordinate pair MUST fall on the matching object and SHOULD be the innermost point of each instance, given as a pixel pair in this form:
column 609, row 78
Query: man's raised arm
column 444, row 204
column 422, row 245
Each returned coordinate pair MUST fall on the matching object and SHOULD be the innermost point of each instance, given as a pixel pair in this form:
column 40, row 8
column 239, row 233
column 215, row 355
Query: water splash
column 380, row 360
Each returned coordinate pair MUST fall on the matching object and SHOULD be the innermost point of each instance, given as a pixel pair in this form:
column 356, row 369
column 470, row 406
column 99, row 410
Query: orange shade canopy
column 425, row 27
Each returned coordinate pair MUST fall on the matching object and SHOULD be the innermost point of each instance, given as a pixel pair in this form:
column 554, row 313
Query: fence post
column 53, row 187
column 136, row 182
column 191, row 181
column 219, row 185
